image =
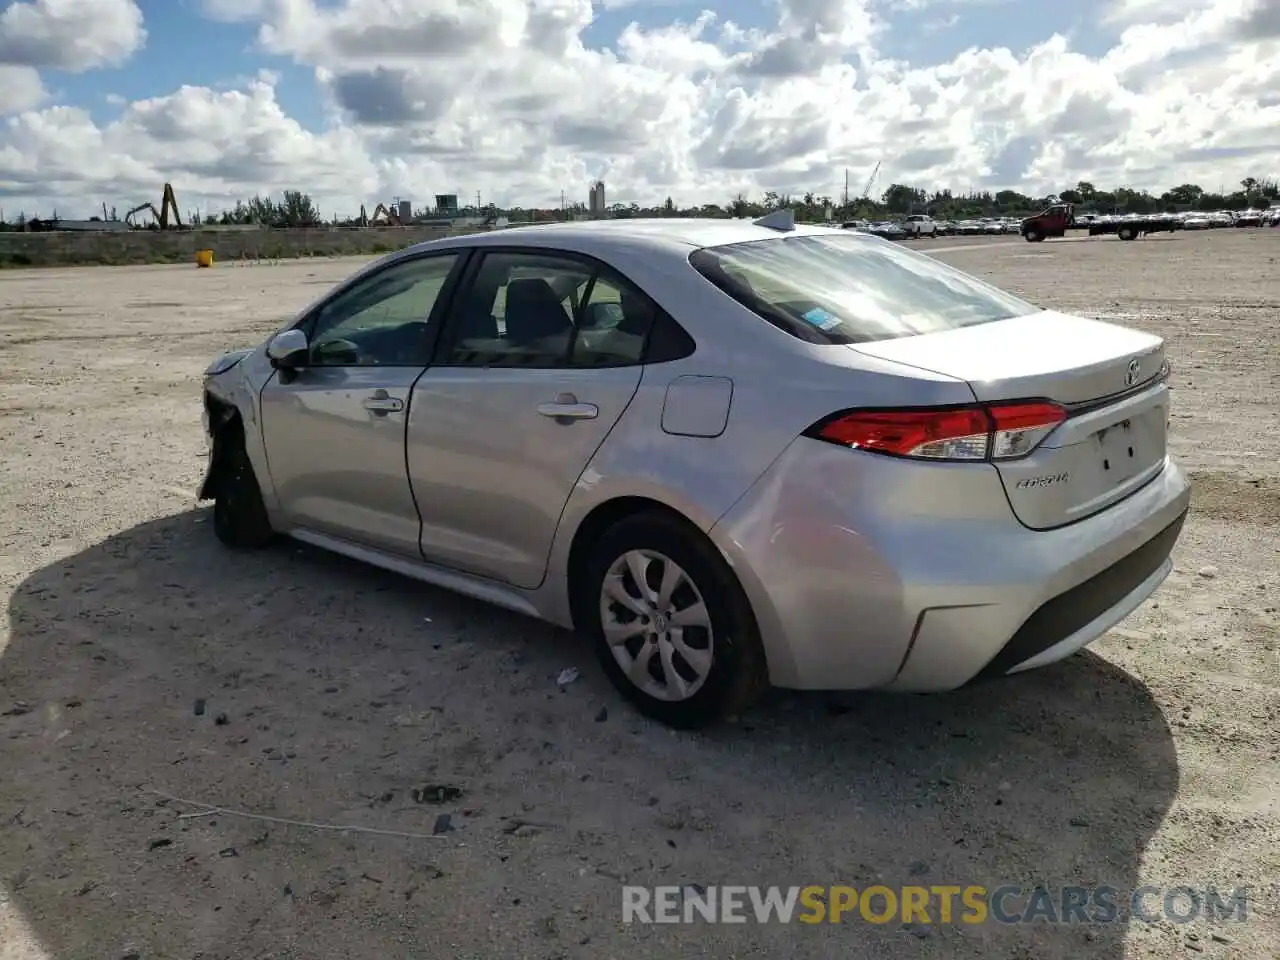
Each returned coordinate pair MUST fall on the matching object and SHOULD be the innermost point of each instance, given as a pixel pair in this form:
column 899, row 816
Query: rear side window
column 845, row 288
column 546, row 310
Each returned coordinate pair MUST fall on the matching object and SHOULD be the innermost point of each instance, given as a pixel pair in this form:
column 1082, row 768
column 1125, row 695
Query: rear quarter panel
column 781, row 386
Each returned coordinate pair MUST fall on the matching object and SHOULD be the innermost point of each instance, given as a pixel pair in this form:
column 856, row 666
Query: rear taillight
column 1000, row 431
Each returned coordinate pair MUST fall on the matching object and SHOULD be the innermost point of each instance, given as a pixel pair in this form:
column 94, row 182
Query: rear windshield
column 852, row 289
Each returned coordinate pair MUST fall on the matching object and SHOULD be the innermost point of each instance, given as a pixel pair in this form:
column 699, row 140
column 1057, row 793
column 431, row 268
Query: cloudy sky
column 357, row 101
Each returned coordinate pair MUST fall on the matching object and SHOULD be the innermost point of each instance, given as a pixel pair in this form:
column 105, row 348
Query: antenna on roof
column 781, row 219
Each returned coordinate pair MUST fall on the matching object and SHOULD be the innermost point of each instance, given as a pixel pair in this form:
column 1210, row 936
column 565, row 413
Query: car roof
column 670, row 234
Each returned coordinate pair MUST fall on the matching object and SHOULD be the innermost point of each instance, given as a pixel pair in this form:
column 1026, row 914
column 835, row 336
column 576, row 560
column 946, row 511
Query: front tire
column 670, row 624
column 239, row 515
column 1033, row 235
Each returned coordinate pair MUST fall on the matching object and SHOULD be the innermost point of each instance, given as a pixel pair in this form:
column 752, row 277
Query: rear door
column 536, row 364
column 1111, row 379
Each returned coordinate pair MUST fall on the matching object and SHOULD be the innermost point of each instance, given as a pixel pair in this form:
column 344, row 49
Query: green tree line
column 297, row 209
column 901, row 199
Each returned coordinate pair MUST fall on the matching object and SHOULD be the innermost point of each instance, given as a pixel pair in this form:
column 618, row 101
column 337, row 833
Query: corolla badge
column 1135, row 370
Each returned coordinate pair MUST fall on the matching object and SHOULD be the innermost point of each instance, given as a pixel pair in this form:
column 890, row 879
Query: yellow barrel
column 204, row 258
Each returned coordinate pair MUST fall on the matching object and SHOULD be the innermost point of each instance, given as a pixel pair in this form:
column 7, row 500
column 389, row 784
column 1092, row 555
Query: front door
column 334, row 430
column 539, row 359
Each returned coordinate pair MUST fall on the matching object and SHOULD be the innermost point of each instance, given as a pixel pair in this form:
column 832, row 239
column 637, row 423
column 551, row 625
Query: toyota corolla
column 727, row 453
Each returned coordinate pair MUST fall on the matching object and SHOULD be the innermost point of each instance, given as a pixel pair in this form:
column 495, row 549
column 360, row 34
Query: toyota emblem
column 1131, row 375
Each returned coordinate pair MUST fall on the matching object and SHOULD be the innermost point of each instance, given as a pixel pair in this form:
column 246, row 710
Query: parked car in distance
column 727, row 453
column 919, row 225
column 887, row 230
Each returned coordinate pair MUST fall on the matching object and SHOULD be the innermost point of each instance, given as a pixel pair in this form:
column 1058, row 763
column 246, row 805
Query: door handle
column 566, row 408
column 381, row 403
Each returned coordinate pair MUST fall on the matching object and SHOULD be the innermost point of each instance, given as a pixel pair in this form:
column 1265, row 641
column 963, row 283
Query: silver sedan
column 727, row 453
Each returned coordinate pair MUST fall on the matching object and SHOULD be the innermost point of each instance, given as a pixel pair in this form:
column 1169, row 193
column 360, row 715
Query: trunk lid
column 1111, row 379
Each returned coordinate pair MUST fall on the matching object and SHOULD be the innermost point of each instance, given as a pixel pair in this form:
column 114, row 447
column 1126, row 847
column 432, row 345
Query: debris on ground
column 436, row 793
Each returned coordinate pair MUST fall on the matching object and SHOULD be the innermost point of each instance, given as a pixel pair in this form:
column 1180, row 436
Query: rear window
column 845, row 288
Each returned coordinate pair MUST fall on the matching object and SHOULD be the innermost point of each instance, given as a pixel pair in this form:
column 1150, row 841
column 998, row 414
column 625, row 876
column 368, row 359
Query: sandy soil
column 138, row 656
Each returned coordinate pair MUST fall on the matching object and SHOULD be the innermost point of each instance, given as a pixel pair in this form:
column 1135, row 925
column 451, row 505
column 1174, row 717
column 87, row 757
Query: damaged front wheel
column 239, row 515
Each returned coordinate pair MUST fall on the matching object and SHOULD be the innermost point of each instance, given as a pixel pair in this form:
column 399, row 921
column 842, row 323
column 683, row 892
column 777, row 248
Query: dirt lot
column 138, row 656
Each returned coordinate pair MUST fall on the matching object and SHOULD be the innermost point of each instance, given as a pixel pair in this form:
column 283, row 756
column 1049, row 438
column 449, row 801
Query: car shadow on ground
column 299, row 685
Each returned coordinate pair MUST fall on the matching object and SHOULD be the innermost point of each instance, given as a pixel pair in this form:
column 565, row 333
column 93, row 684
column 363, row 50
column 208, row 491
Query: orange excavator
column 167, row 202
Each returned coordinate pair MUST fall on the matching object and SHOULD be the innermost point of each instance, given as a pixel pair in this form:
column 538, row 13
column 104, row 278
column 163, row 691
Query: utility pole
column 846, row 186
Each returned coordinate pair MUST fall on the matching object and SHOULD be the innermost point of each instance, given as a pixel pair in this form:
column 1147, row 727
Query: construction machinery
column 167, row 202
column 871, row 180
column 382, row 217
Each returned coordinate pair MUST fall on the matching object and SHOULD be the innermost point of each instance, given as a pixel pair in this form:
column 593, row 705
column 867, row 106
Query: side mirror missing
column 288, row 349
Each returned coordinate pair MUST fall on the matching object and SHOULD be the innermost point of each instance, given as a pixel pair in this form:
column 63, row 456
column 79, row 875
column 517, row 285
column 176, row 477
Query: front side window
column 845, row 288
column 382, row 319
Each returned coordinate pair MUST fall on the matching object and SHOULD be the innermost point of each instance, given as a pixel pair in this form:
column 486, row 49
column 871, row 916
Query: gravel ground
column 139, row 659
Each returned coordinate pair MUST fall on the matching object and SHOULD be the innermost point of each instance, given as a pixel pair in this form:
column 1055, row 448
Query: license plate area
column 1128, row 447
column 1122, row 450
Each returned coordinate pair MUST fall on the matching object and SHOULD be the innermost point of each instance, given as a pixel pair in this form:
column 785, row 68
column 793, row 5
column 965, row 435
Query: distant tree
column 900, row 198
column 1186, row 194
column 297, row 210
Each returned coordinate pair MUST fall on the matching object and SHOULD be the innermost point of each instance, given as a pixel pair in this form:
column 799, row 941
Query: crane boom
column 866, row 192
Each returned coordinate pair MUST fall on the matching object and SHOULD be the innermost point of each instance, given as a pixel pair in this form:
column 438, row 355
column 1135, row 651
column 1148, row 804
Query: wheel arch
column 231, row 402
column 225, row 426
column 601, row 518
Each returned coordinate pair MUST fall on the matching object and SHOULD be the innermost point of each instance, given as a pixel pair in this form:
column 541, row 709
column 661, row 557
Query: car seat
column 534, row 312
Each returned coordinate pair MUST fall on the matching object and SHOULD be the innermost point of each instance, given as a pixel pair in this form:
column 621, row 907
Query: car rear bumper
column 870, row 572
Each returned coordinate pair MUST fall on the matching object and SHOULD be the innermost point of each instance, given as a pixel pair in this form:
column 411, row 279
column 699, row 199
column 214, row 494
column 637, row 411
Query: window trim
column 435, row 319
column 466, row 283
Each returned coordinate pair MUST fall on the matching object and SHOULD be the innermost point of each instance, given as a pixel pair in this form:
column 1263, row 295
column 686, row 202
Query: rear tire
column 708, row 662
column 239, row 515
column 1127, row 233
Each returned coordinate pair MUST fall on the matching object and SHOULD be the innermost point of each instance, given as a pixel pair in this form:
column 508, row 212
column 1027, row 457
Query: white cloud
column 638, row 4
column 232, row 11
column 20, row 89
column 506, row 97
column 71, row 35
